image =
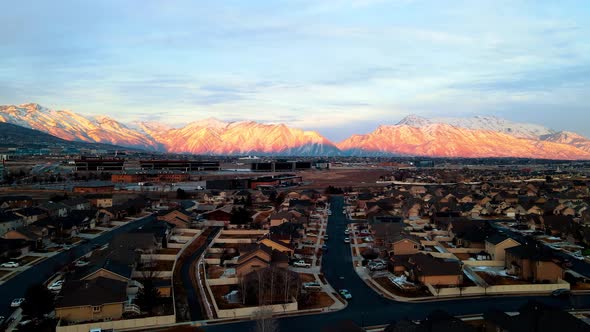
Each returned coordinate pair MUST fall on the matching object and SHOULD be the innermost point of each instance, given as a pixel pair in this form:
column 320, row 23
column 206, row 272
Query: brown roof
column 92, row 292
column 428, row 265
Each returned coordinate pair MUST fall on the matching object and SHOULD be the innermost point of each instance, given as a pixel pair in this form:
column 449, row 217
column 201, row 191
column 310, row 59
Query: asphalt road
column 367, row 308
column 192, row 294
column 39, row 273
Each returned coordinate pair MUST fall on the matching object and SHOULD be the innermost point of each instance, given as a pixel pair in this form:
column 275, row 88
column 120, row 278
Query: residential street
column 367, row 308
column 17, row 286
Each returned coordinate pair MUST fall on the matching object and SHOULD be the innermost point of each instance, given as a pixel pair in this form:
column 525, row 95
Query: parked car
column 311, row 234
column 81, row 263
column 312, row 286
column 345, row 294
column 56, row 285
column 302, row 263
column 376, row 266
column 561, row 292
column 368, row 239
column 9, row 264
column 17, row 302
column 325, row 237
column 346, row 240
column 347, row 232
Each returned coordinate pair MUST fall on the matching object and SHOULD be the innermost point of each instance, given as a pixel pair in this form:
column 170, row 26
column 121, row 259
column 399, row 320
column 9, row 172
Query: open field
column 343, row 178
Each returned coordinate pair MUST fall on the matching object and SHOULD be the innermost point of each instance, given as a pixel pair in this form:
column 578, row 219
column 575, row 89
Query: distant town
column 99, row 240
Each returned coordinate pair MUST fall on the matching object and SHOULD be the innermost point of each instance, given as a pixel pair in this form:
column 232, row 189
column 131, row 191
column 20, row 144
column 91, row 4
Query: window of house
column 415, row 246
column 97, row 308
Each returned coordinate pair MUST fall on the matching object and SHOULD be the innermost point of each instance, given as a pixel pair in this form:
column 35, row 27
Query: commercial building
column 280, row 166
column 179, row 165
column 92, row 164
column 172, row 177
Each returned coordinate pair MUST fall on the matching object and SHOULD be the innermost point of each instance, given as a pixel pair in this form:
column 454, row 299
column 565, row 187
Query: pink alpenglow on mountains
column 445, row 137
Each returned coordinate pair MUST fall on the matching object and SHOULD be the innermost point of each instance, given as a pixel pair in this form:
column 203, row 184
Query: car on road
column 56, row 286
column 17, row 302
column 345, row 294
column 561, row 292
column 9, row 264
column 302, row 263
column 346, row 240
column 346, row 232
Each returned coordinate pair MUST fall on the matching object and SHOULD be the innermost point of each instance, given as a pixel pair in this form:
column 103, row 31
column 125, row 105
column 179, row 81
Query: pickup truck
column 302, row 263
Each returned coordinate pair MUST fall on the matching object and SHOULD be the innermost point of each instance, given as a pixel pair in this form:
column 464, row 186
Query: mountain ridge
column 479, row 136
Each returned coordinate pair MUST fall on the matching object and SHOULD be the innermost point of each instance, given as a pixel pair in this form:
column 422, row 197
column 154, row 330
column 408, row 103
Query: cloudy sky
column 337, row 66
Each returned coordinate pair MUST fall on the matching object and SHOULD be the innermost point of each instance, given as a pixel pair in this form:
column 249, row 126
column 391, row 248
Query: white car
column 346, row 232
column 302, row 263
column 312, row 286
column 17, row 302
column 346, row 240
column 377, row 266
column 9, row 264
column 56, row 285
column 368, row 239
column 311, row 235
column 81, row 263
column 345, row 294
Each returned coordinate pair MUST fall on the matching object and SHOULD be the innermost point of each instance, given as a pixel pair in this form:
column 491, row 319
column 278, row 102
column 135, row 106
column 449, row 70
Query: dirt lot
column 306, row 277
column 343, row 178
column 317, row 300
column 494, row 279
column 214, row 272
column 219, row 292
column 167, row 251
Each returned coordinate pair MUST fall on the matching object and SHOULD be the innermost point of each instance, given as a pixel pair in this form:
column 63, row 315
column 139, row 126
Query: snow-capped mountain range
column 480, row 136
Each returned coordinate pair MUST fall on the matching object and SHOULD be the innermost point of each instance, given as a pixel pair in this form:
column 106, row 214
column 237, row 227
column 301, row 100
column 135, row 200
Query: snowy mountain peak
column 413, row 120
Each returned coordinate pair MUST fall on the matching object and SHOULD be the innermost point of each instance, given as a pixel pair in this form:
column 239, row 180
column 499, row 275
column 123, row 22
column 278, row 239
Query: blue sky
column 336, row 66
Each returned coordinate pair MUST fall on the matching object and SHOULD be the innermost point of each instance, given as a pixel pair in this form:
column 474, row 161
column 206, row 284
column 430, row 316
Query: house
column 15, row 202
column 428, row 269
column 222, row 214
column 77, row 203
column 100, row 200
column 55, row 209
column 532, row 262
column 497, row 244
column 533, row 316
column 259, row 257
column 31, row 214
column 405, row 244
column 9, row 221
column 273, row 242
column 278, row 218
column 181, row 219
column 91, row 300
column 10, row 248
column 36, row 236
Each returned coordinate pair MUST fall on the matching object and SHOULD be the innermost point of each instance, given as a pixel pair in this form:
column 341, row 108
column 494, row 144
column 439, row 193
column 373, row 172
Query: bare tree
column 243, row 286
